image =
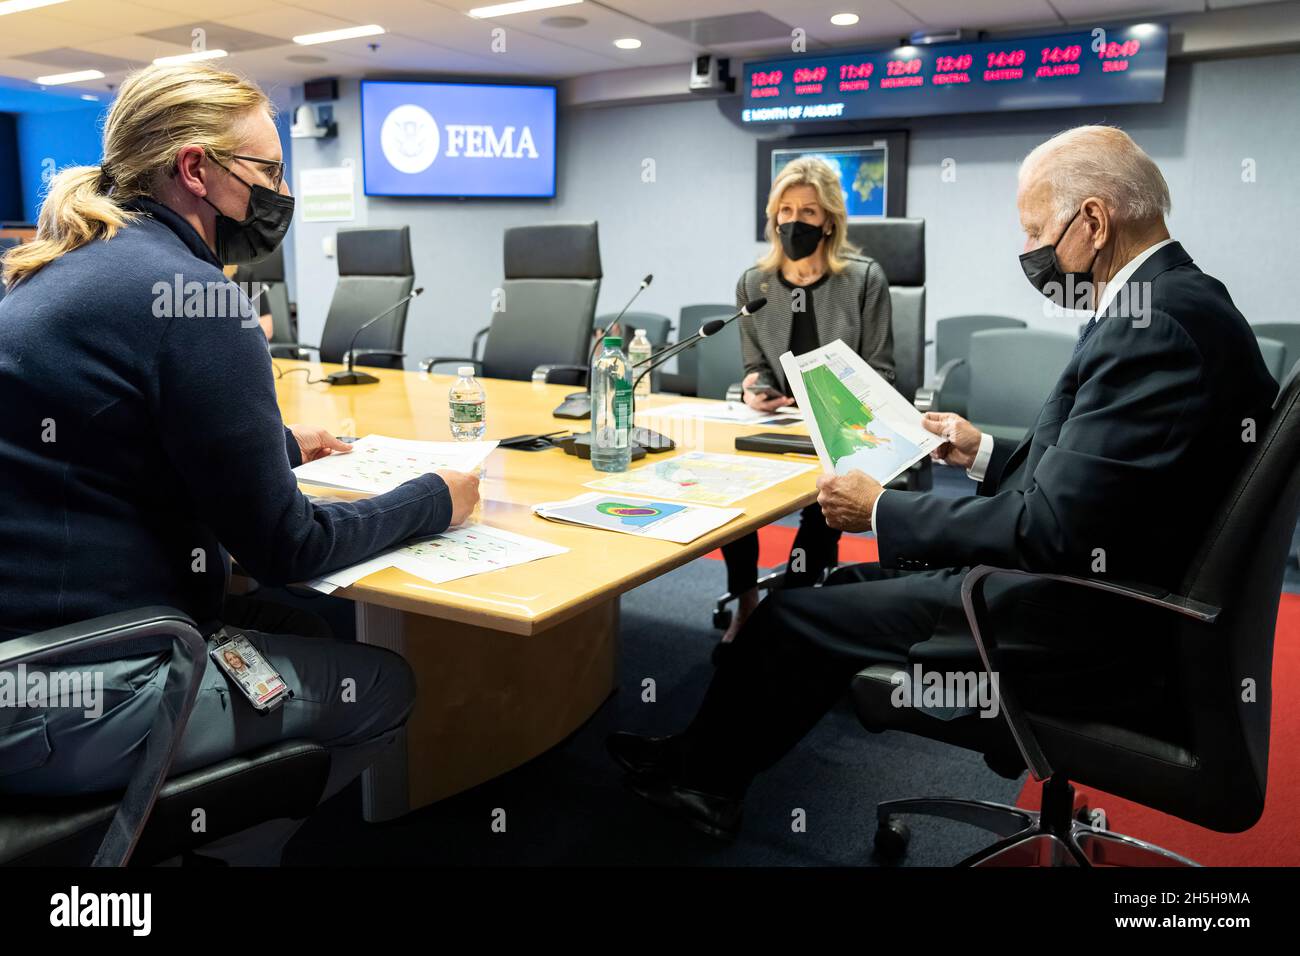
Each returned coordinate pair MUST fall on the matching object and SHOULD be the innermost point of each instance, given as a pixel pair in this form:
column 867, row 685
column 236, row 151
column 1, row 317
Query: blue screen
column 1084, row 68
column 457, row 139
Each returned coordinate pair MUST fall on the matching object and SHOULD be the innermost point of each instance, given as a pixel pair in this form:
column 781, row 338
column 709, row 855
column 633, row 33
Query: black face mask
column 799, row 239
column 1044, row 272
column 261, row 231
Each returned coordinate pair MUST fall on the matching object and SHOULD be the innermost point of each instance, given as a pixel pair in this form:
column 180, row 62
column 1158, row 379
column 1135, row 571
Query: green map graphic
column 845, row 423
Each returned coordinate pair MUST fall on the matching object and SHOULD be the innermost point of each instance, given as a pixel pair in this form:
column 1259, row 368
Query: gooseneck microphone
column 578, row 404
column 351, row 377
column 709, row 328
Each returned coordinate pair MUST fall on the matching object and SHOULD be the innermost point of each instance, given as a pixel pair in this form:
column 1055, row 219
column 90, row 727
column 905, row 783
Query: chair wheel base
column 892, row 837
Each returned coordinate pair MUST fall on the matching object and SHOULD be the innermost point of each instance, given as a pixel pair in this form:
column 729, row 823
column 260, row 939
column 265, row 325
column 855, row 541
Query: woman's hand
column 757, row 402
column 317, row 442
column 464, row 494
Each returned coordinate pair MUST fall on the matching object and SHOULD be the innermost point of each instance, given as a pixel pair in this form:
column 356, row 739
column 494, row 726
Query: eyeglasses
column 276, row 172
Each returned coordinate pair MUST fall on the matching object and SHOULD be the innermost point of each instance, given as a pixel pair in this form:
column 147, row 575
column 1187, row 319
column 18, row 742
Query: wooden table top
column 599, row 565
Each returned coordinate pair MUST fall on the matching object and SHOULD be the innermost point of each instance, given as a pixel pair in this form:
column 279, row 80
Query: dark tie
column 1087, row 331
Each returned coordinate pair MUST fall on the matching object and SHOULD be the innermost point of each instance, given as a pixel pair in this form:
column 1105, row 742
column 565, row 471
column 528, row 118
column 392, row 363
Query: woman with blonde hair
column 819, row 288
column 141, row 442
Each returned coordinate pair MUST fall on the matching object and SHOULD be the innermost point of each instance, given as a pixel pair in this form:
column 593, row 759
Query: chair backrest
column 274, row 299
column 899, row 246
column 1012, row 373
column 1288, row 333
column 1274, row 353
column 657, row 327
column 375, row 272
column 552, row 280
column 685, row 380
column 952, row 341
column 6, row 243
column 718, row 362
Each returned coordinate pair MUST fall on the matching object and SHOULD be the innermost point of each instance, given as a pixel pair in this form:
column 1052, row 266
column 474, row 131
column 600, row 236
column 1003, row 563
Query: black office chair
column 552, row 279
column 952, row 356
column 375, row 273
column 1214, row 772
column 685, row 380
column 266, row 281
column 6, row 243
column 152, row 820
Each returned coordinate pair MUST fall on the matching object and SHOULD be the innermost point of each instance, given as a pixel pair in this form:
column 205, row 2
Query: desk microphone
column 578, row 404
column 350, row 377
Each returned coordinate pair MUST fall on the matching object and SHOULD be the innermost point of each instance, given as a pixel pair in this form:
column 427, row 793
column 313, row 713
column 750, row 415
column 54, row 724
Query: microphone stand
column 575, row 401
column 350, row 376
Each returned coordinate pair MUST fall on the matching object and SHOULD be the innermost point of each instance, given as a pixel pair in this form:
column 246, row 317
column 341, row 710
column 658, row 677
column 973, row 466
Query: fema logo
column 410, row 139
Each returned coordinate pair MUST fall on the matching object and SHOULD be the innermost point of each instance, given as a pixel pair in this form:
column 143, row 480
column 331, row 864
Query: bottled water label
column 467, row 413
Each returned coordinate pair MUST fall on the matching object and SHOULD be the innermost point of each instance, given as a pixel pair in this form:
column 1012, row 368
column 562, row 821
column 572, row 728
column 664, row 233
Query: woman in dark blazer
column 818, row 289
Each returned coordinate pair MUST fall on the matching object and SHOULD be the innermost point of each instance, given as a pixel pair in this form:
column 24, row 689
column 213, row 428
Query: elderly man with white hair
column 1126, row 463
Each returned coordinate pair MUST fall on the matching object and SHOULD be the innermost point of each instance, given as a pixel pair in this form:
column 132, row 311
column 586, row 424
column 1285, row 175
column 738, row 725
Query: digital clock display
column 1088, row 67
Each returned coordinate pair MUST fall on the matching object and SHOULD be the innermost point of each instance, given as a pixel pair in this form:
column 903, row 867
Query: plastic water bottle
column 638, row 350
column 468, row 406
column 611, row 409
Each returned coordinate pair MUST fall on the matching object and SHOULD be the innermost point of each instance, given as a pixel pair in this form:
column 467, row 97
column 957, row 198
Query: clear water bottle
column 611, row 409
column 638, row 350
column 468, row 406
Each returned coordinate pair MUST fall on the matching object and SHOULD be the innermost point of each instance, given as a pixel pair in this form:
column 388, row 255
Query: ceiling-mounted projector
column 307, row 126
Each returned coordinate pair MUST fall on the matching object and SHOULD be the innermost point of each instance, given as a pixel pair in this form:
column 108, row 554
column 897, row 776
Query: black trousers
column 815, row 544
column 1070, row 650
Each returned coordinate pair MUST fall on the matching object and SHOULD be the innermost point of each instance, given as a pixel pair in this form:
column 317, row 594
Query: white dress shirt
column 1111, row 289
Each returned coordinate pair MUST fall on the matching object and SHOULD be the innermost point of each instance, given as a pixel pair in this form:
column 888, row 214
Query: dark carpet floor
column 568, row 806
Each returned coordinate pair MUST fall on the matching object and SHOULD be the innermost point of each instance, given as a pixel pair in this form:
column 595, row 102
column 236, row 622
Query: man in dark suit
column 1132, row 450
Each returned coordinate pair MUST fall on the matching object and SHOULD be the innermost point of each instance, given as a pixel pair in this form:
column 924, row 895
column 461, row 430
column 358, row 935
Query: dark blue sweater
column 132, row 446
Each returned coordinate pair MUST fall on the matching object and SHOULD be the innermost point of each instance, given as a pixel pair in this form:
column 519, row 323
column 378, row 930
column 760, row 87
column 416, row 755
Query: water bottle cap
column 613, row 341
column 641, row 333
column 465, row 371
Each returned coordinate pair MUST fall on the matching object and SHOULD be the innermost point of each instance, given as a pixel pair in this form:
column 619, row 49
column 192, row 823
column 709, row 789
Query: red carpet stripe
column 775, row 540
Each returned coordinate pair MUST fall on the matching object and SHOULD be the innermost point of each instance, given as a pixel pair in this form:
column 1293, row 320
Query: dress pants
column 1069, row 650
column 819, row 543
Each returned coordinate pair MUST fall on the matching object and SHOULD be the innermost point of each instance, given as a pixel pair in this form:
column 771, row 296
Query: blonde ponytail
column 157, row 112
column 75, row 212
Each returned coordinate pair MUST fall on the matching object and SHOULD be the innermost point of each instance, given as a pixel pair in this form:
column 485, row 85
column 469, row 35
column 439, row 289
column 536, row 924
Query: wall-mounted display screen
column 458, row 139
column 1084, row 68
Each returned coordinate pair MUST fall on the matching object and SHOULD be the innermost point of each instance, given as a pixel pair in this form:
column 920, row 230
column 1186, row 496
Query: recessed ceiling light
column 190, row 57
column 565, row 23
column 844, row 19
column 18, row 6
column 59, row 78
column 329, row 36
column 518, row 6
column 628, row 43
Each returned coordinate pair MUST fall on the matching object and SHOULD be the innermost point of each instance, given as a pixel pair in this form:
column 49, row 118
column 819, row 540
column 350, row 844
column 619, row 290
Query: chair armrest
column 736, row 392
column 427, row 364
column 928, row 396
column 972, row 599
column 131, row 632
column 543, row 373
column 479, row 336
column 301, row 346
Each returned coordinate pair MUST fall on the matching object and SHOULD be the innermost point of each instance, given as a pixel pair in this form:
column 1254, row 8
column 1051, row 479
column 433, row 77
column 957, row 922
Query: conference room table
column 510, row 662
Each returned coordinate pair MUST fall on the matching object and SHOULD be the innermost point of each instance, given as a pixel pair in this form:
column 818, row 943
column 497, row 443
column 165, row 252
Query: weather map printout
column 650, row 519
column 378, row 463
column 457, row 553
column 857, row 420
column 702, row 478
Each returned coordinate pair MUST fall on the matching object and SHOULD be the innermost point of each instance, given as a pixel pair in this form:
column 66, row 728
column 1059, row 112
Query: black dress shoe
column 709, row 813
column 638, row 754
